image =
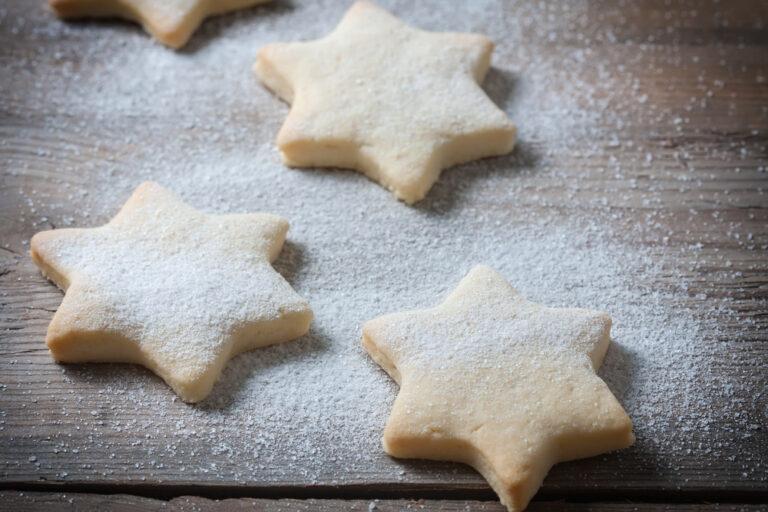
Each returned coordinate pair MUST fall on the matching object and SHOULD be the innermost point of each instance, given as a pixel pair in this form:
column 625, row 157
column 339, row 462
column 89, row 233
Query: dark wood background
column 730, row 42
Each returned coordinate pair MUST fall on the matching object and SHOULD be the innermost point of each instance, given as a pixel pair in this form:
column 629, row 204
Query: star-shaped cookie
column 396, row 103
column 171, row 288
column 498, row 382
column 171, row 22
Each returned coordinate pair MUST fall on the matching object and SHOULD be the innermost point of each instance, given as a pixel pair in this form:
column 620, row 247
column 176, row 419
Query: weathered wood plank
column 21, row 502
column 693, row 98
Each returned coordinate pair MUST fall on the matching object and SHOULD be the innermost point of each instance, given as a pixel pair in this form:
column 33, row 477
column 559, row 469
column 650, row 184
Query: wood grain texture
column 34, row 501
column 706, row 188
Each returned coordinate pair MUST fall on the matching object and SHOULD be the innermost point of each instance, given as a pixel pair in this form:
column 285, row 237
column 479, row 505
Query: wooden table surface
column 687, row 174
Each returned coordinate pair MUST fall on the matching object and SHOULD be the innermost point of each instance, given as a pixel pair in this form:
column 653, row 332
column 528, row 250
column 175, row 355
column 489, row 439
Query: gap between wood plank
column 383, row 491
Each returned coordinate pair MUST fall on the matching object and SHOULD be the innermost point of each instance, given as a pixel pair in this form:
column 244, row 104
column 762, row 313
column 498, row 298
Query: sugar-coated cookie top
column 185, row 289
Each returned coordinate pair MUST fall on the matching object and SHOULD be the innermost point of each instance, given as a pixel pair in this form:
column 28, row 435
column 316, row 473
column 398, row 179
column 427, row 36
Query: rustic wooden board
column 21, row 502
column 706, row 187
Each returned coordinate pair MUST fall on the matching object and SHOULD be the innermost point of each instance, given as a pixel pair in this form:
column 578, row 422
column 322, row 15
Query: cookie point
column 57, row 5
column 364, row 4
column 261, row 54
column 36, row 241
column 606, row 319
column 148, row 185
column 281, row 223
column 602, row 322
column 483, row 270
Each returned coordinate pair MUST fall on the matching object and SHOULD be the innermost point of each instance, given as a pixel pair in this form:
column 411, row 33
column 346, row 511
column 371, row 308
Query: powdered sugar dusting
column 567, row 231
column 178, row 293
column 486, row 324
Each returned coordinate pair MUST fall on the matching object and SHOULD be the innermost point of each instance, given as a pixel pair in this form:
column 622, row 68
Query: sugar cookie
column 498, row 382
column 396, row 103
column 171, row 22
column 171, row 288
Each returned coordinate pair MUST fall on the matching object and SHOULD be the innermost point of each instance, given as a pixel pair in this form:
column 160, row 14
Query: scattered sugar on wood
column 312, row 411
